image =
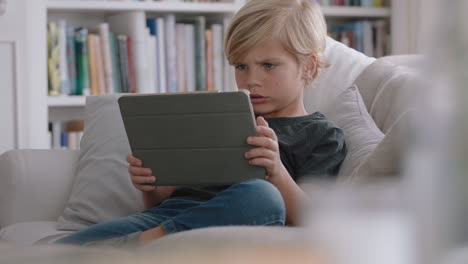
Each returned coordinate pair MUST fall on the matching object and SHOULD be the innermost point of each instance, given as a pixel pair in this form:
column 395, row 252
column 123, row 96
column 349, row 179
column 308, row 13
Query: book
column 106, row 57
column 171, row 58
column 151, row 45
column 209, row 59
column 181, row 50
column 218, row 56
column 83, row 81
column 190, row 57
column 123, row 59
column 200, row 53
column 162, row 68
column 114, row 61
column 132, row 24
column 71, row 59
column 99, row 65
column 151, row 23
column 93, row 71
column 63, row 65
column 131, row 66
column 53, row 58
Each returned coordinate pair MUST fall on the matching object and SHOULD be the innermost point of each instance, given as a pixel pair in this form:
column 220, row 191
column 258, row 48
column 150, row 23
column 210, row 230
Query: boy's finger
column 263, row 142
column 143, row 179
column 134, row 161
column 266, row 131
column 259, row 153
column 261, row 121
column 138, row 171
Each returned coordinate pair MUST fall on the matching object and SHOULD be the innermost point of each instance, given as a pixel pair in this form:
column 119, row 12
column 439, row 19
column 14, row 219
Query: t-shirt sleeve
column 323, row 160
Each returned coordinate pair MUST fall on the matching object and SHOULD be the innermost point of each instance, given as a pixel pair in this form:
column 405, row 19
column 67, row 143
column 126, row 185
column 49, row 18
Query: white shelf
column 356, row 12
column 112, row 6
column 66, row 101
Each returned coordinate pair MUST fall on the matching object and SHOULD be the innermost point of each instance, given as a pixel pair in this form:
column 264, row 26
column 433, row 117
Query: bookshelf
column 31, row 124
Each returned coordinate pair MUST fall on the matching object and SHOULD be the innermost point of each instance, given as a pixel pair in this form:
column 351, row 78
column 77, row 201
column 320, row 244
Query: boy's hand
column 267, row 154
column 142, row 178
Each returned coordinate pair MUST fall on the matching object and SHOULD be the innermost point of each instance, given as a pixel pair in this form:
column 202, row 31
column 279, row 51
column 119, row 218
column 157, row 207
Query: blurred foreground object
column 436, row 171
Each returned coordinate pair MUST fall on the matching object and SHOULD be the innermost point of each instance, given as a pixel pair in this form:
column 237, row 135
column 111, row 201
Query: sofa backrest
column 389, row 87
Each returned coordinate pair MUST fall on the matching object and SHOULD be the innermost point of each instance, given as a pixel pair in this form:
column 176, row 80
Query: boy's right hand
column 142, row 178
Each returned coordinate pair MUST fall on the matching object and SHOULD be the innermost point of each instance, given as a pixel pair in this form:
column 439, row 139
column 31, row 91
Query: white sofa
column 35, row 184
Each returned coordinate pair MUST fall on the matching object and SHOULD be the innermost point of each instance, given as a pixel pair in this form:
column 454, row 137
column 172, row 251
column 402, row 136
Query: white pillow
column 346, row 64
column 102, row 189
column 361, row 133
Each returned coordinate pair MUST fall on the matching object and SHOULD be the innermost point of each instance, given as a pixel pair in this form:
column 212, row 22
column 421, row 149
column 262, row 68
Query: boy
column 276, row 47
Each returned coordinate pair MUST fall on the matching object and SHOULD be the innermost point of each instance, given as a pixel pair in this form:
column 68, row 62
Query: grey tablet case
column 192, row 138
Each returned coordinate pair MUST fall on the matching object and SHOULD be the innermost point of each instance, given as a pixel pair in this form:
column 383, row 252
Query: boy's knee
column 261, row 196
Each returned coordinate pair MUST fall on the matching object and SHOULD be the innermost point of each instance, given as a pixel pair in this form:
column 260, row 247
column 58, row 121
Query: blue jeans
column 252, row 202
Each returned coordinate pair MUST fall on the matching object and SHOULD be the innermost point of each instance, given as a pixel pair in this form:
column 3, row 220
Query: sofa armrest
column 35, row 184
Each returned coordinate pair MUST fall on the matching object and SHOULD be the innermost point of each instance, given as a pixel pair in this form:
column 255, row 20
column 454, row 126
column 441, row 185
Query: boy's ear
column 310, row 67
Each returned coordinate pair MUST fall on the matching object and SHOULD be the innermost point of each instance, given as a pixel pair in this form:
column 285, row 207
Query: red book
column 131, row 67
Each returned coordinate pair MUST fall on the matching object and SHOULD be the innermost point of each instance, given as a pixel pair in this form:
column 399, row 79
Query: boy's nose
column 253, row 81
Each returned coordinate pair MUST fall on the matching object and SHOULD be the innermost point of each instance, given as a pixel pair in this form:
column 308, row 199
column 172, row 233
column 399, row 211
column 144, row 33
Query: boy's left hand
column 267, row 154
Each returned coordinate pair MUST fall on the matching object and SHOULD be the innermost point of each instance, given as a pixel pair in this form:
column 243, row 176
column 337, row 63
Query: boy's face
column 274, row 78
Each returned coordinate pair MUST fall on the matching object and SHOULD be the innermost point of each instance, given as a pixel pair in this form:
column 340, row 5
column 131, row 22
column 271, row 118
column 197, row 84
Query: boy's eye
column 268, row 66
column 241, row 67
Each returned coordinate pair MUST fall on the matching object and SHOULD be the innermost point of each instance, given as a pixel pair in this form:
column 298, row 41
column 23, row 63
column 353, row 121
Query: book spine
column 200, row 50
column 115, row 62
column 100, row 65
column 181, row 49
column 54, row 59
column 130, row 66
column 152, row 61
column 106, row 55
column 64, row 82
column 161, row 38
column 123, row 63
column 171, row 59
column 209, row 60
column 83, row 82
column 151, row 23
column 93, row 72
column 71, row 59
column 218, row 64
column 190, row 57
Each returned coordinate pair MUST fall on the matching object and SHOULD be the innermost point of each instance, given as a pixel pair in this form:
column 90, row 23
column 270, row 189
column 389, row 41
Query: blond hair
column 298, row 24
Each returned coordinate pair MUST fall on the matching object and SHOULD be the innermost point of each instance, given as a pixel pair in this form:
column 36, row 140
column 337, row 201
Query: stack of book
column 369, row 37
column 88, row 61
column 362, row 3
column 185, row 57
column 161, row 56
column 66, row 135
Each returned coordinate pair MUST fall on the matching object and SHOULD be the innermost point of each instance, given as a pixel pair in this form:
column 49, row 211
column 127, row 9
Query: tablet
column 192, row 138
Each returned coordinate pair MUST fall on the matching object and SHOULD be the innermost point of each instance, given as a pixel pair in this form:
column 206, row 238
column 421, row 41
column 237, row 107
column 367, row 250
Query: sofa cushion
column 28, row 233
column 362, row 135
column 386, row 160
column 30, row 190
column 345, row 66
column 102, row 189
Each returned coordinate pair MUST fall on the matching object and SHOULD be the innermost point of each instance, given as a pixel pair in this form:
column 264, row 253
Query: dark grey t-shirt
column 310, row 147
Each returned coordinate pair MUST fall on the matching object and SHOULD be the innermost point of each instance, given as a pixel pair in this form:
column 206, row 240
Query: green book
column 71, row 59
column 81, row 48
column 115, row 62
